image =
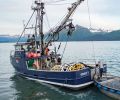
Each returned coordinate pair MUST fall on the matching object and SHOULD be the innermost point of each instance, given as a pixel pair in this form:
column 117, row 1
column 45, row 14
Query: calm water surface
column 14, row 87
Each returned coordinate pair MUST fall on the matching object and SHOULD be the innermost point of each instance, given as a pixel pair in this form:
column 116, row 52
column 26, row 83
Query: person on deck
column 100, row 64
column 47, row 51
column 48, row 62
column 28, row 40
column 33, row 38
column 59, row 61
column 22, row 48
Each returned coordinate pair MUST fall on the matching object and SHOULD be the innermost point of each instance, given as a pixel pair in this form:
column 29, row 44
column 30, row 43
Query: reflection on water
column 30, row 90
column 14, row 87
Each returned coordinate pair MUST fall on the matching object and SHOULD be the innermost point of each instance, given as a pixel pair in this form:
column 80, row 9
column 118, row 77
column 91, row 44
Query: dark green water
column 14, row 87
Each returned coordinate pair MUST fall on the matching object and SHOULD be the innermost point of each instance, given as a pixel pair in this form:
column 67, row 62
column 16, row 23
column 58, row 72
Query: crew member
column 28, row 40
column 47, row 51
column 100, row 64
column 59, row 61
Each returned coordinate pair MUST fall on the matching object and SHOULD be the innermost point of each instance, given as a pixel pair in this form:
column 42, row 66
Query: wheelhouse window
column 21, row 47
column 17, row 47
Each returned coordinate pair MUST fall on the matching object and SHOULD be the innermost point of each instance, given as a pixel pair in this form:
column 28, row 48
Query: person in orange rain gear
column 47, row 51
column 35, row 55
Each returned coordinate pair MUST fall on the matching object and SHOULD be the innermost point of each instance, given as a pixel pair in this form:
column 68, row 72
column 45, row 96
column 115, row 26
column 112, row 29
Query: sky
column 104, row 14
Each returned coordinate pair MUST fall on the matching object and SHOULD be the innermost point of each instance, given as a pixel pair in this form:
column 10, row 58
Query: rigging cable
column 89, row 14
column 53, row 29
column 91, row 28
column 47, row 19
column 93, row 52
column 25, row 26
column 64, row 48
column 48, row 24
column 58, row 47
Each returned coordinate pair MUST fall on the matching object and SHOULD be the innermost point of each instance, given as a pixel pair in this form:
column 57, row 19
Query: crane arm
column 63, row 22
column 71, row 10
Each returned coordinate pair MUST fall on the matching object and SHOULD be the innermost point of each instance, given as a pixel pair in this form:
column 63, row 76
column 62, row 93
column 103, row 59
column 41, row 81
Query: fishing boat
column 34, row 60
column 109, row 85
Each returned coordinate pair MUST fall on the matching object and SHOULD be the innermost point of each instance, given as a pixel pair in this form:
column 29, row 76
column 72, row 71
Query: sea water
column 15, row 87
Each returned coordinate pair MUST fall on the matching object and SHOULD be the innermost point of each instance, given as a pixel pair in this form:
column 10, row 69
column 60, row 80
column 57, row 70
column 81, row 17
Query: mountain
column 84, row 34
column 7, row 38
column 114, row 35
column 80, row 34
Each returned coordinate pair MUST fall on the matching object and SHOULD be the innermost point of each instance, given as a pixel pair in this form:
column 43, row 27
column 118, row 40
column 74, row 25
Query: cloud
column 103, row 13
column 105, row 7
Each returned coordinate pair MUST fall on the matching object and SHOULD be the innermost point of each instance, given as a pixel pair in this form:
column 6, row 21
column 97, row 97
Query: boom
column 71, row 10
column 62, row 24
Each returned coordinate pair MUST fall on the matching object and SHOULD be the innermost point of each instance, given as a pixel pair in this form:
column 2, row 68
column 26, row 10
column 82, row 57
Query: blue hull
column 71, row 79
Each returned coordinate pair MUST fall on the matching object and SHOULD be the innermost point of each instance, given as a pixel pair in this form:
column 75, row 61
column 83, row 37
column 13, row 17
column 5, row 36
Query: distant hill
column 10, row 38
column 84, row 34
column 80, row 34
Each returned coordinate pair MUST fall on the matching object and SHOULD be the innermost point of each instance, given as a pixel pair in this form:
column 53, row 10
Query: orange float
column 33, row 55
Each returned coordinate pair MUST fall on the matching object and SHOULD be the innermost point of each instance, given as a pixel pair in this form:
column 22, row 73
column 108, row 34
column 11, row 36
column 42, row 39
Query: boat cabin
column 33, row 56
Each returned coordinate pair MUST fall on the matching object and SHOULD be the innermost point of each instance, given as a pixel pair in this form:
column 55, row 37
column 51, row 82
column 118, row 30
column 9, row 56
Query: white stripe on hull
column 74, row 87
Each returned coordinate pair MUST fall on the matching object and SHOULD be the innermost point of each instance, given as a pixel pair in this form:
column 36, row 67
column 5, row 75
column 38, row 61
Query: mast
column 41, row 28
column 40, row 13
